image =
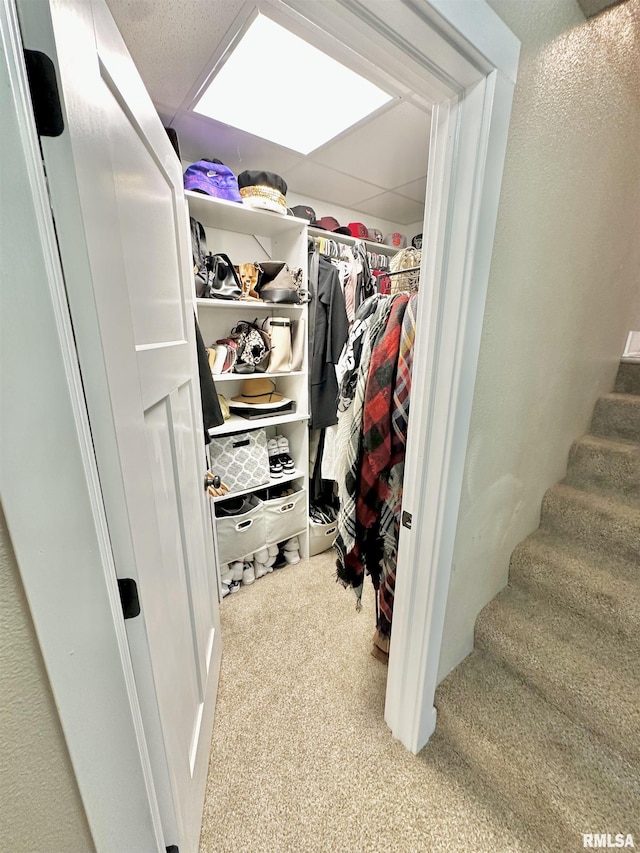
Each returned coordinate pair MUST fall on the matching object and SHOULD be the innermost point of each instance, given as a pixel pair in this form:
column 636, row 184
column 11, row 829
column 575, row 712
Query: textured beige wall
column 564, row 286
column 41, row 810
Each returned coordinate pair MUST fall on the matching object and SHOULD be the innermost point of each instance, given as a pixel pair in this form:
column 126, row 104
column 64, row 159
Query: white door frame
column 458, row 56
column 471, row 59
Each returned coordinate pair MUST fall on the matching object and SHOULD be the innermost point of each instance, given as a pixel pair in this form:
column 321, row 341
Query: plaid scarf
column 350, row 568
column 399, row 420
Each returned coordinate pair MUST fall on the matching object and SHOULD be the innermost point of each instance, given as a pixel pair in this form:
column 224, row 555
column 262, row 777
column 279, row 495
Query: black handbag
column 278, row 283
column 199, row 254
column 223, row 279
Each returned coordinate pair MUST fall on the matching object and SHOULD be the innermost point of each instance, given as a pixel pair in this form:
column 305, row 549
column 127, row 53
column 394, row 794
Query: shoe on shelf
column 248, row 574
column 292, row 544
column 234, row 586
column 259, row 569
column 272, row 551
column 236, row 568
column 275, row 464
column 225, row 588
column 288, row 465
column 292, row 557
column 261, row 556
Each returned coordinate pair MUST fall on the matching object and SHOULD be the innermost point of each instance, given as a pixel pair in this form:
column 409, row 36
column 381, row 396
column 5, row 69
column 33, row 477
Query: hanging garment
column 211, row 411
column 328, row 332
column 399, row 423
column 350, row 566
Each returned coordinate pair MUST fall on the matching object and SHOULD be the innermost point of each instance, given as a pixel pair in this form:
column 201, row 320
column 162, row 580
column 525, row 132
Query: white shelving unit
column 247, row 235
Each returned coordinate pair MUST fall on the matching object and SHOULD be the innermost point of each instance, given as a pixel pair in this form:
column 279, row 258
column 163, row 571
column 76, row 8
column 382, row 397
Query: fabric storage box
column 321, row 536
column 285, row 517
column 239, row 528
column 241, row 459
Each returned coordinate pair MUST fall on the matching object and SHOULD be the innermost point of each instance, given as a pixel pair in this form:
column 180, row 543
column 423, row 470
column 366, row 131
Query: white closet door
column 123, row 221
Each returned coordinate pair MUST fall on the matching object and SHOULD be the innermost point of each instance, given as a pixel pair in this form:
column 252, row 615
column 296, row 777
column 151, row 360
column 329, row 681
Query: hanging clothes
column 328, row 332
column 372, row 438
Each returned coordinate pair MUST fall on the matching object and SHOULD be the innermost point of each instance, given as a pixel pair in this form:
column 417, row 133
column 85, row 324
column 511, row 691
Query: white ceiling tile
column 316, row 181
column 393, row 207
column 171, row 42
column 417, row 190
column 200, row 137
column 390, row 150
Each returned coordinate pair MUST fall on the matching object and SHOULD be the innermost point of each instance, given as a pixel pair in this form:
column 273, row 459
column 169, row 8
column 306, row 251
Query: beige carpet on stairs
column 538, row 736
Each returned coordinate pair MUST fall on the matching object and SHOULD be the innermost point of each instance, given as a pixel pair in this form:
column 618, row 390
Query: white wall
column 41, row 805
column 564, row 283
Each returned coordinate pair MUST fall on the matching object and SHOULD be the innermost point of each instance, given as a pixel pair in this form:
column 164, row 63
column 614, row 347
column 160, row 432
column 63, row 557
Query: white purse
column 279, row 329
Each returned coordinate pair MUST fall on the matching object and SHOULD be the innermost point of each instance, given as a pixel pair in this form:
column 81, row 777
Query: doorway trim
column 471, row 86
column 466, row 59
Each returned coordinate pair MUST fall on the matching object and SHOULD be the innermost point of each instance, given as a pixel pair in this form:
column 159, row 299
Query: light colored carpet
column 538, row 737
column 301, row 757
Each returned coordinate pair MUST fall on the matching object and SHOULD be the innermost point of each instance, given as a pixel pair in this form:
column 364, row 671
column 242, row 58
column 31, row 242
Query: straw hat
column 259, row 391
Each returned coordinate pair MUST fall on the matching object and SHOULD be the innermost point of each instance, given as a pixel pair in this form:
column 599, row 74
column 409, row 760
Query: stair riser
column 546, row 577
column 556, row 684
column 547, row 821
column 628, row 379
column 608, row 472
column 603, row 531
column 617, row 419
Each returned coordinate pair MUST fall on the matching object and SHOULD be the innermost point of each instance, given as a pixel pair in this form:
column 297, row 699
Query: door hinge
column 407, row 519
column 129, row 597
column 45, row 97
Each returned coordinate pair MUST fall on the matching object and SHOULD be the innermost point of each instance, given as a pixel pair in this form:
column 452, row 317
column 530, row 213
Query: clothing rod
column 399, row 272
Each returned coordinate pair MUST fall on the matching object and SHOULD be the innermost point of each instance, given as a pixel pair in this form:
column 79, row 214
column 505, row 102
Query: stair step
column 628, row 379
column 584, row 670
column 605, row 466
column 597, row 589
column 617, row 416
column 608, row 526
column 559, row 779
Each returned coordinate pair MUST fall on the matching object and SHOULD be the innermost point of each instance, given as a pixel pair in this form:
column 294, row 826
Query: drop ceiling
column 378, row 167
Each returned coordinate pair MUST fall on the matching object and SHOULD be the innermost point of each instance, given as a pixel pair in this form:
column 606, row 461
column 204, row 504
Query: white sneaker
column 261, row 556
column 292, row 557
column 275, row 463
column 248, row 574
column 237, row 568
column 234, row 586
column 259, row 568
column 288, row 465
column 273, row 551
column 292, row 544
column 225, row 589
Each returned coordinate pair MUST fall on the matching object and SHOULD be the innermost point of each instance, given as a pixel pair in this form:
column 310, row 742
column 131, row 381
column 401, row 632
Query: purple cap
column 213, row 179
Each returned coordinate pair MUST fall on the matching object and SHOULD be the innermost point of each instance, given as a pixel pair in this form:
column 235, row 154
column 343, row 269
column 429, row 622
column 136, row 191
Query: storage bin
column 241, row 534
column 240, row 460
column 285, row 517
column 321, row 536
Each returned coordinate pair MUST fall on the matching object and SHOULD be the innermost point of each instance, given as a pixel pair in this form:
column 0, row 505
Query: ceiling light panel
column 279, row 87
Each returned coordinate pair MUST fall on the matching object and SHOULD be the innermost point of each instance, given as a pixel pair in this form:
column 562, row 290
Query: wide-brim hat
column 263, row 190
column 260, row 391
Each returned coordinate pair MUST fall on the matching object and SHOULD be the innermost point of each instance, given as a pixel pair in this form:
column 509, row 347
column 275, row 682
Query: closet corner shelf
column 229, row 377
column 372, row 245
column 232, row 216
column 238, row 424
column 227, row 304
column 287, row 478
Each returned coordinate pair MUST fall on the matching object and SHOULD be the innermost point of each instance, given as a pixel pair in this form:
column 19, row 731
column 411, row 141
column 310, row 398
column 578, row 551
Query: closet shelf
column 372, row 245
column 287, row 478
column 238, row 424
column 228, row 304
column 232, row 216
column 229, row 377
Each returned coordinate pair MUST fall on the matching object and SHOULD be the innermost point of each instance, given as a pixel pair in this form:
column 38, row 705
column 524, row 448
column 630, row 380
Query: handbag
column 223, row 279
column 297, row 344
column 199, row 255
column 279, row 329
column 278, row 283
column 253, row 347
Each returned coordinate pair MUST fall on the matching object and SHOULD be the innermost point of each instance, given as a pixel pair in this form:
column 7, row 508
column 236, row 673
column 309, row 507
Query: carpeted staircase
column 546, row 710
